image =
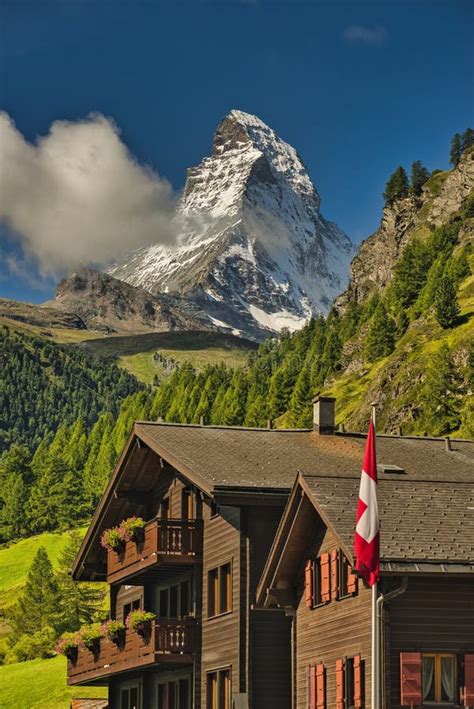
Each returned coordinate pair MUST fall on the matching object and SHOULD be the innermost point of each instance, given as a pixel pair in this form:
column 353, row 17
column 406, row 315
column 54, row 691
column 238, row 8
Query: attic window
column 390, row 469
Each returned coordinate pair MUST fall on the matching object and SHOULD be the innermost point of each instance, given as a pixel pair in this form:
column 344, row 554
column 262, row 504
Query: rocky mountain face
column 253, row 252
column 443, row 195
column 106, row 303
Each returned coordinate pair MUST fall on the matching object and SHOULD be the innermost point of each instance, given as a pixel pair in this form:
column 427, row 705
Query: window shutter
column 410, row 679
column 325, row 579
column 358, row 682
column 320, row 687
column 312, row 687
column 351, row 581
column 468, row 689
column 339, row 684
column 335, row 574
column 308, row 582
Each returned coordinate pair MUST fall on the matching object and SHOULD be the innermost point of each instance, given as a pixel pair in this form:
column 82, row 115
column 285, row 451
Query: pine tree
column 419, row 175
column 80, row 603
column 467, row 139
column 300, row 402
column 456, row 149
column 38, row 605
column 441, row 400
column 49, row 496
column 16, row 461
column 381, row 335
column 13, row 522
column 446, row 302
column 397, row 186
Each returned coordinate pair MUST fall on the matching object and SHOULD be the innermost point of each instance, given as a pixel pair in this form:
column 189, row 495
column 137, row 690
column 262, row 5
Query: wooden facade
column 427, row 619
column 244, row 651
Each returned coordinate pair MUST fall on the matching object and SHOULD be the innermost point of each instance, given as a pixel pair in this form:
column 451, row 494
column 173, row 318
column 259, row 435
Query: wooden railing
column 169, row 641
column 171, row 541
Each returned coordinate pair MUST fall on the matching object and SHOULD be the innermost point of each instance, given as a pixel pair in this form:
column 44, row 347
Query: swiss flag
column 367, row 532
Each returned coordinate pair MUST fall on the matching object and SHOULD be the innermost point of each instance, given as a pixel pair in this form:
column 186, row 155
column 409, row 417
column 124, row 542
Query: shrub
column 114, row 630
column 111, row 539
column 131, row 529
column 138, row 621
column 91, row 635
column 28, row 647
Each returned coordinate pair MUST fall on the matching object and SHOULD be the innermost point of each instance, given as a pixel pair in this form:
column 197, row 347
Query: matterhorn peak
column 253, row 251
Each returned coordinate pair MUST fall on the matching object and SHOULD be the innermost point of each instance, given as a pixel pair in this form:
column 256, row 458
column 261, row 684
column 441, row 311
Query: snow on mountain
column 253, row 250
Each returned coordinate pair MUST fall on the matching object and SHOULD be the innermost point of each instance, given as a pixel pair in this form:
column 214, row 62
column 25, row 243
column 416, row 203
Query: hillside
column 151, row 357
column 41, row 684
column 44, row 384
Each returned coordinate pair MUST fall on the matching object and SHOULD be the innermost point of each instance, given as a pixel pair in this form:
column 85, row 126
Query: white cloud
column 78, row 196
column 374, row 36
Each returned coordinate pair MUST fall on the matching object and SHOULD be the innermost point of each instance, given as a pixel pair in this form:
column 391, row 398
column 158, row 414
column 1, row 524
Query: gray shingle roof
column 420, row 520
column 272, row 458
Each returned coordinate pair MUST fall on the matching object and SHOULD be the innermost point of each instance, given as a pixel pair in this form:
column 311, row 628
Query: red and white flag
column 367, row 532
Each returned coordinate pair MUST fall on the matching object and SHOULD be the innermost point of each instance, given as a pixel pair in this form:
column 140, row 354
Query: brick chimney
column 324, row 408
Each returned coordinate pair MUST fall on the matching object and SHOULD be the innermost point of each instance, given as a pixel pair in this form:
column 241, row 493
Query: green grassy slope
column 40, row 684
column 400, row 375
column 15, row 561
column 135, row 352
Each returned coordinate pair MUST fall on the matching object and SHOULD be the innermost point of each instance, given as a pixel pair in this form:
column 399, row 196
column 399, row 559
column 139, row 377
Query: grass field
column 40, row 684
column 135, row 352
column 15, row 561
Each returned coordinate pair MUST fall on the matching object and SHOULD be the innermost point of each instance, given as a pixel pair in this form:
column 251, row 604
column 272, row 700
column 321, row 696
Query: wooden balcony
column 170, row 642
column 165, row 542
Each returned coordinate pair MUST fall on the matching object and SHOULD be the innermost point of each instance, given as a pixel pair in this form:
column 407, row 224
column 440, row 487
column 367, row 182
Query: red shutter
column 325, row 579
column 358, row 685
column 312, row 687
column 320, row 687
column 335, row 574
column 351, row 581
column 468, row 689
column 308, row 583
column 410, row 679
column 339, row 684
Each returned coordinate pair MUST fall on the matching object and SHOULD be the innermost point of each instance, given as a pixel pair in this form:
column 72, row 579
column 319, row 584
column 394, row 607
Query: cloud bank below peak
column 78, row 195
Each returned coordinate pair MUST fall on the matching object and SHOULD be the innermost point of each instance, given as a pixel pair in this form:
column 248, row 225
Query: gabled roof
column 426, row 525
column 217, row 459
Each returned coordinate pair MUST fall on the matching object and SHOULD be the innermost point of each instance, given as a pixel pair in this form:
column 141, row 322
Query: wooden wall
column 434, row 614
column 330, row 632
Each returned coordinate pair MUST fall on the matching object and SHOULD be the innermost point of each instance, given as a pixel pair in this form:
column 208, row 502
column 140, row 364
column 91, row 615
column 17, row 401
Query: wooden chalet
column 426, row 605
column 226, row 526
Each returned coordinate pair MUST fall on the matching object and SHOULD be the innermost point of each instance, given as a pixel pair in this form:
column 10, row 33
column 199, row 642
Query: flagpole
column 374, row 635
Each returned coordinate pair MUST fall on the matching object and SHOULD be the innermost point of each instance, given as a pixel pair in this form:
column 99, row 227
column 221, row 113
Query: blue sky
column 358, row 88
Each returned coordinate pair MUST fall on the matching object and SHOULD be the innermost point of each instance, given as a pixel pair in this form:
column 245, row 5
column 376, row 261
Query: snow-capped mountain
column 253, row 250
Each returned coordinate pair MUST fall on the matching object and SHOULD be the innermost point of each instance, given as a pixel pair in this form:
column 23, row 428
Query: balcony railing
column 165, row 541
column 170, row 642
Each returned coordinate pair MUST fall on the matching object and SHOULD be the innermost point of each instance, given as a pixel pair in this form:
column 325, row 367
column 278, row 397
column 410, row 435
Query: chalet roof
column 219, row 459
column 421, row 521
column 271, row 458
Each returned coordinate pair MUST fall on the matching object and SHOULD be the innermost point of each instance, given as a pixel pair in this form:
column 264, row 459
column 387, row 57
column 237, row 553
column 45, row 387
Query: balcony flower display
column 91, row 635
column 132, row 529
column 114, row 630
column 140, row 621
column 111, row 540
column 68, row 645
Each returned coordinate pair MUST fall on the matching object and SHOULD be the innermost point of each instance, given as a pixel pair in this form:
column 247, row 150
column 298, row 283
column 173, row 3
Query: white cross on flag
column 367, row 534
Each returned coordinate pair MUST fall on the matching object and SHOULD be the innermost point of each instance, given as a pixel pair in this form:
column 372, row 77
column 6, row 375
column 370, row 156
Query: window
column 317, row 595
column 219, row 590
column 130, row 697
column 174, row 695
column 329, row 577
column 219, row 690
column 132, row 606
column 439, row 679
column 185, row 599
column 187, row 504
column 174, row 594
column 165, row 509
column 350, row 683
